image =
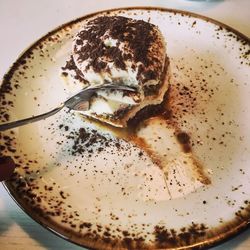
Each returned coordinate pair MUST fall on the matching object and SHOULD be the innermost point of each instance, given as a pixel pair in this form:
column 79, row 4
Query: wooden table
column 24, row 21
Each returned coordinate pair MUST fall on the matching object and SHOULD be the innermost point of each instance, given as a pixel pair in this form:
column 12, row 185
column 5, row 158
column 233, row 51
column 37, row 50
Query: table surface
column 23, row 22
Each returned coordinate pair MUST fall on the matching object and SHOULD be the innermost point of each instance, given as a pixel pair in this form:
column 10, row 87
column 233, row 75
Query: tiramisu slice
column 118, row 50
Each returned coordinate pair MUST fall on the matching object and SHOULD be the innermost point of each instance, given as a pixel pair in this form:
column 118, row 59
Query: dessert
column 118, row 50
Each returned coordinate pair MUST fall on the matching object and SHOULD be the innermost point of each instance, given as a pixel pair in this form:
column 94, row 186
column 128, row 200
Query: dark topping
column 70, row 65
column 150, row 75
column 137, row 37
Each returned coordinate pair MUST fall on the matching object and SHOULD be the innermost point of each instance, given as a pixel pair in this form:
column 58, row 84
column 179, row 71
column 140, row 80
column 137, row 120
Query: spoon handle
column 25, row 121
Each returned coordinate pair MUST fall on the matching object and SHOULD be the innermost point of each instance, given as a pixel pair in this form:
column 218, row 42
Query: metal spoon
column 78, row 102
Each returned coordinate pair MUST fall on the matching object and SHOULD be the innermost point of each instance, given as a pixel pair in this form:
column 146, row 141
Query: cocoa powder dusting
column 137, row 37
column 118, row 28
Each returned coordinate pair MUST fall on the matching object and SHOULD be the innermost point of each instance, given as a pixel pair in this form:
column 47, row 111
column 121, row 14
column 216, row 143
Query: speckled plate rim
column 214, row 241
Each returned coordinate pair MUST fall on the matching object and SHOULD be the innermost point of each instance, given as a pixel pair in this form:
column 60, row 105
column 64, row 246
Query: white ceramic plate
column 180, row 179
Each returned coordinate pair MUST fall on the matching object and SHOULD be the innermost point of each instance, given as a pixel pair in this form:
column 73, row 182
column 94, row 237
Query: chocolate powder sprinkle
column 137, row 37
column 85, row 141
column 70, row 65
